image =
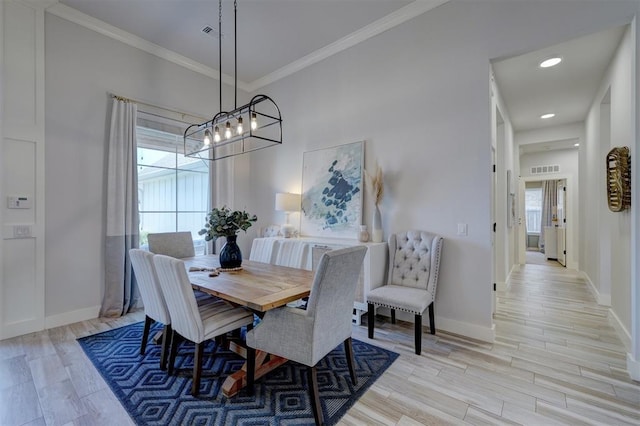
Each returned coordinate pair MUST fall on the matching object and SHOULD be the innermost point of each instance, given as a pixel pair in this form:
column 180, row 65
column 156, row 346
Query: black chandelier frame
column 262, row 115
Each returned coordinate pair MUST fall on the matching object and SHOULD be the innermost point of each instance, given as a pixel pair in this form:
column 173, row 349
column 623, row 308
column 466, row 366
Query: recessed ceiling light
column 545, row 116
column 550, row 62
column 576, row 144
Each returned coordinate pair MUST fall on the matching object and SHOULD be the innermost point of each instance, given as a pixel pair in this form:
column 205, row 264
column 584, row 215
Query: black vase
column 230, row 255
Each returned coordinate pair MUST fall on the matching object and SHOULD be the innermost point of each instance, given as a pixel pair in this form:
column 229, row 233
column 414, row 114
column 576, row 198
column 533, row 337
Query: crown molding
column 75, row 16
column 38, row 4
column 410, row 11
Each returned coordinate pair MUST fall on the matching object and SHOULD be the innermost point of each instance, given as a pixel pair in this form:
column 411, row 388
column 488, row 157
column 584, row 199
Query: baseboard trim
column 601, row 299
column 505, row 286
column 467, row 329
column 633, row 367
column 20, row 328
column 622, row 331
column 67, row 318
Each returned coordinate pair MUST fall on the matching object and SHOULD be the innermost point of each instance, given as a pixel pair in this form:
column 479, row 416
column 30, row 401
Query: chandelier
column 250, row 127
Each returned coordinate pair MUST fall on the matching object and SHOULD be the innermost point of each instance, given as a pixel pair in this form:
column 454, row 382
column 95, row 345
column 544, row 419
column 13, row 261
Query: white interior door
column 562, row 215
column 522, row 226
column 493, row 229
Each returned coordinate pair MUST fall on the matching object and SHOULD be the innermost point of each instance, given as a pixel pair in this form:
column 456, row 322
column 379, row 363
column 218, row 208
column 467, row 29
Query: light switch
column 22, row 202
column 462, row 229
column 21, row 231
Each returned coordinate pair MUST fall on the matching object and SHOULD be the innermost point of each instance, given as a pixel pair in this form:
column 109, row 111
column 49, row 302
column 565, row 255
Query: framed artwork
column 332, row 191
column 619, row 179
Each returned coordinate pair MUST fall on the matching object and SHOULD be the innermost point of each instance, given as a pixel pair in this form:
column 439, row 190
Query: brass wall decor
column 619, row 179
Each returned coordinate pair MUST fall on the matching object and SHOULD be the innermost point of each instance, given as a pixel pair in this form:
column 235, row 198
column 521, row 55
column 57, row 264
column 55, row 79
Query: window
column 173, row 190
column 533, row 209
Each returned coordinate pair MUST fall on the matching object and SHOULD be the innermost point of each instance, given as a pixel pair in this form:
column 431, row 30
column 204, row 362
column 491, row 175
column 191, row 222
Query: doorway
column 545, row 221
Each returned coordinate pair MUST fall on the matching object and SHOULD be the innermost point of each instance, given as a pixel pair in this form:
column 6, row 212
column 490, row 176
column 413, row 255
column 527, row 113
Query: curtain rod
column 137, row 101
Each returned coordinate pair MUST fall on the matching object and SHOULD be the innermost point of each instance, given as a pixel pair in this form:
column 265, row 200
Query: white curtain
column 121, row 292
column 222, row 172
column 549, row 207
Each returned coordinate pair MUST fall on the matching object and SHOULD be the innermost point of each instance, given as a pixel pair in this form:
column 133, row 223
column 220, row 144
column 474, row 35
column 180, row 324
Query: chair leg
column 166, row 343
column 145, row 334
column 418, row 331
column 176, row 339
column 313, row 395
column 197, row 368
column 393, row 316
column 432, row 322
column 251, row 370
column 371, row 313
column 348, row 351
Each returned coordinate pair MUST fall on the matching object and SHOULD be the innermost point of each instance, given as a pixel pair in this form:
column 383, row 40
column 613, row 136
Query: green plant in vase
column 222, row 222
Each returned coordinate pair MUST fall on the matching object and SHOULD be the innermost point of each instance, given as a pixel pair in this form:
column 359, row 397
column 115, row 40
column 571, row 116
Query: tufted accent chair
column 414, row 260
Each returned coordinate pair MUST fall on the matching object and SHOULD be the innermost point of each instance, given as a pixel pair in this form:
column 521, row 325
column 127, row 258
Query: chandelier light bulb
column 239, row 128
column 216, row 134
column 207, row 138
column 254, row 121
column 227, row 132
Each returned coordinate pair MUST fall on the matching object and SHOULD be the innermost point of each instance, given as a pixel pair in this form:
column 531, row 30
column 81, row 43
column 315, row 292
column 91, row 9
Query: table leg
column 238, row 380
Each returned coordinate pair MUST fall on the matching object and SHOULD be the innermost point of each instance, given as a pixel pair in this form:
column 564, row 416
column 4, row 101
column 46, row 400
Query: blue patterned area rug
column 151, row 397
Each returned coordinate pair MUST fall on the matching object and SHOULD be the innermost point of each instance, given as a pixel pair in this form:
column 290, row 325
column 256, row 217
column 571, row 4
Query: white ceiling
column 279, row 37
column 271, row 33
column 567, row 89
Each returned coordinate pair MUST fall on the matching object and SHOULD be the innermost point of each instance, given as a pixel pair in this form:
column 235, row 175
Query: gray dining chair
column 307, row 336
column 174, row 244
column 190, row 321
column 414, row 262
column 155, row 308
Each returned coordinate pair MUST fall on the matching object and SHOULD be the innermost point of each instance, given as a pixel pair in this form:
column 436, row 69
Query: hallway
column 556, row 360
column 535, row 257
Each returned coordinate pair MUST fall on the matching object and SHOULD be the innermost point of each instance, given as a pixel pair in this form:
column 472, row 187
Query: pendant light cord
column 220, row 51
column 235, row 52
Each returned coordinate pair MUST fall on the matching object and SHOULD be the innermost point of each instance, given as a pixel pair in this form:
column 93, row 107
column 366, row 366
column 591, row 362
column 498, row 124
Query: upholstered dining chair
column 174, row 244
column 307, row 336
column 155, row 308
column 414, row 261
column 190, row 321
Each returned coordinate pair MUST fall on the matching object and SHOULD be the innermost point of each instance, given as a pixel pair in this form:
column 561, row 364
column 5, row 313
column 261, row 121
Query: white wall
column 21, row 170
column 82, row 66
column 552, row 133
column 617, row 262
column 633, row 357
column 419, row 95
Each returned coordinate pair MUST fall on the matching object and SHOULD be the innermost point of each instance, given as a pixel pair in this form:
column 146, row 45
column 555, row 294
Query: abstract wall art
column 332, row 191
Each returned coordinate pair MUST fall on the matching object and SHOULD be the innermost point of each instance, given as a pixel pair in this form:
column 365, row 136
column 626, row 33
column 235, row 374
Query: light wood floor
column 556, row 360
column 534, row 257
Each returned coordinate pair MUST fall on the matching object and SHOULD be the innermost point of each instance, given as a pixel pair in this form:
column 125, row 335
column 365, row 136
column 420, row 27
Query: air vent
column 210, row 31
column 536, row 170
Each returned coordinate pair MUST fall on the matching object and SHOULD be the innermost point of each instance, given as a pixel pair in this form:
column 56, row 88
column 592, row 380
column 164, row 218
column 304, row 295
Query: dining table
column 257, row 286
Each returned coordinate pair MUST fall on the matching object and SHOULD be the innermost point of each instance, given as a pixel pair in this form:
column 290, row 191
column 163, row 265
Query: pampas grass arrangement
column 375, row 184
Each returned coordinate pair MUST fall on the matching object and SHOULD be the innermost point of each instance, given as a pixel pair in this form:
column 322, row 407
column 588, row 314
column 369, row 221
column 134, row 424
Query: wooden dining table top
column 258, row 286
